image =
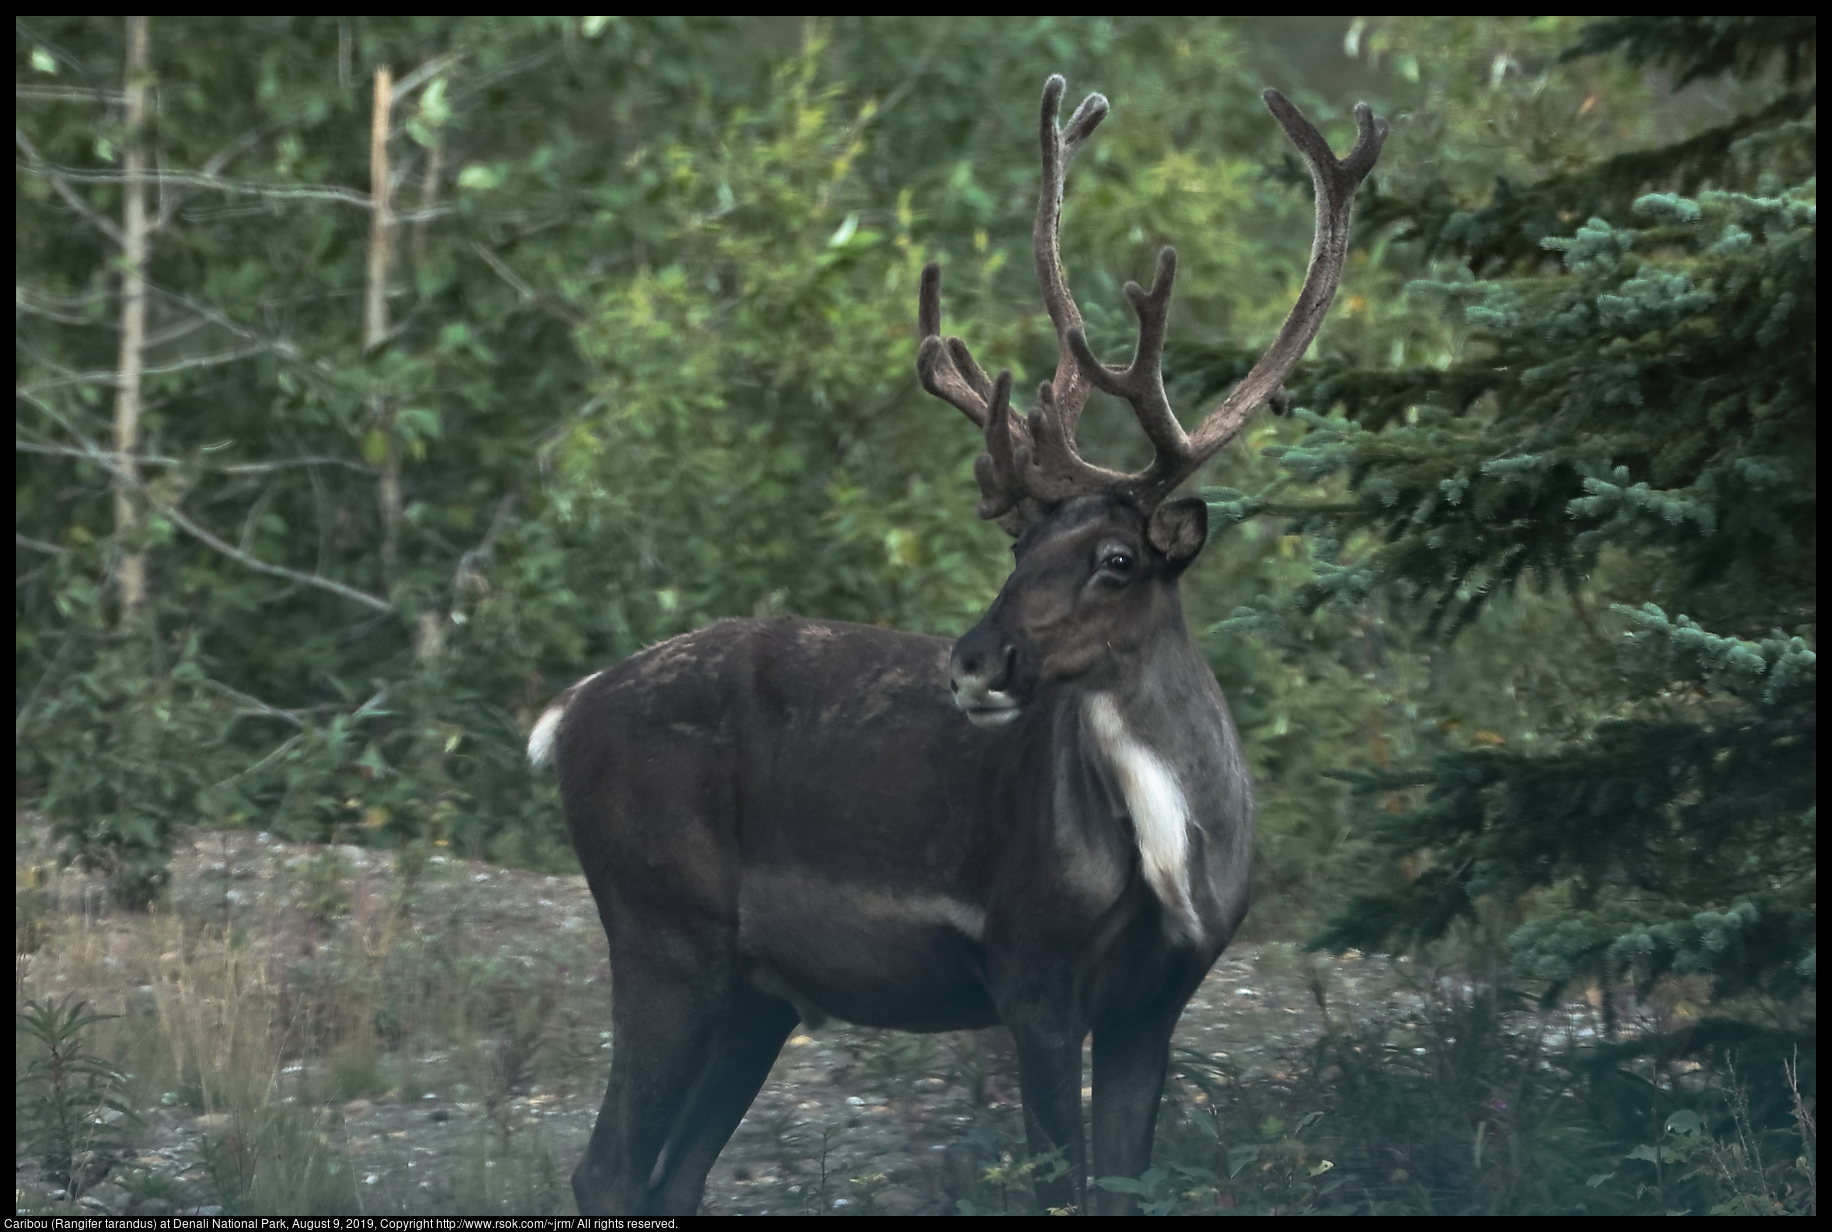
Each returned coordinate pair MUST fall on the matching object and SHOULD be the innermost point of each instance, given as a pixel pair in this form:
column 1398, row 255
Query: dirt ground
column 876, row 1121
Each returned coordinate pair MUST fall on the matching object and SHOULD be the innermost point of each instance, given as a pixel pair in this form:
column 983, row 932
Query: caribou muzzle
column 983, row 675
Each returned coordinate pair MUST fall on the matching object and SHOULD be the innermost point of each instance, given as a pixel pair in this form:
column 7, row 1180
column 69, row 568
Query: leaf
column 1239, row 1157
column 375, row 446
column 480, row 177
column 1123, row 1184
column 1597, row 1178
column 433, row 107
column 43, row 61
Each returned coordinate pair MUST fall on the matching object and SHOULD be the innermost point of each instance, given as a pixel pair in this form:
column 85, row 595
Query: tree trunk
column 375, row 318
column 429, row 198
column 131, row 569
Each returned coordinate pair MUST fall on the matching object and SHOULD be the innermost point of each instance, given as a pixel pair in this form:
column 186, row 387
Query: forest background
column 377, row 378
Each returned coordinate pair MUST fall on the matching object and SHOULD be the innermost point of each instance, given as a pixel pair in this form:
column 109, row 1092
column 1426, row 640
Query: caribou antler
column 1032, row 465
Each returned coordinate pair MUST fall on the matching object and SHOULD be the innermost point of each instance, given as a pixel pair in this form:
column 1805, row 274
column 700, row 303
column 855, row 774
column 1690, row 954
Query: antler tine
column 1142, row 382
column 996, row 469
column 1058, row 146
column 1335, row 181
column 945, row 365
column 947, row 369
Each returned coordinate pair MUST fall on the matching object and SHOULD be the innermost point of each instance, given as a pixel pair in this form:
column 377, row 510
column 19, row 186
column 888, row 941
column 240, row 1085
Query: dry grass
column 261, row 1025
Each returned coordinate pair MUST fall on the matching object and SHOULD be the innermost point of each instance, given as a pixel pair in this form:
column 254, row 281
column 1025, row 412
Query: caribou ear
column 1179, row 528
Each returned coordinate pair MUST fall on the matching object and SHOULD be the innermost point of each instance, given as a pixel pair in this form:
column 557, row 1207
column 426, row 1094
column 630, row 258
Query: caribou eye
column 1117, row 563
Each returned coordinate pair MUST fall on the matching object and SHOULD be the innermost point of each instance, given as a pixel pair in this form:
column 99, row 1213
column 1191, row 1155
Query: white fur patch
column 547, row 727
column 540, row 740
column 967, row 919
column 1160, row 813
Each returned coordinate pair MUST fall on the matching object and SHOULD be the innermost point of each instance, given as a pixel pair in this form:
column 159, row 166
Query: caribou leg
column 1049, row 1082
column 745, row 1045
column 666, row 998
column 1130, row 1058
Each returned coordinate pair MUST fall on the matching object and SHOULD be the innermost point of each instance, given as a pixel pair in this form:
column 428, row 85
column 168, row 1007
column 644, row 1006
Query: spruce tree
column 1630, row 417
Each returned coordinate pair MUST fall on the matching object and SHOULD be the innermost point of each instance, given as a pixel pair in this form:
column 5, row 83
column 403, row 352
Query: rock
column 899, row 1201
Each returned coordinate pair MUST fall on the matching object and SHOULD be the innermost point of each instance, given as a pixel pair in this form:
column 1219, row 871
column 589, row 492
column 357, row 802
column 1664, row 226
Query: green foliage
column 68, row 1106
column 127, row 746
column 1457, row 1098
column 1627, row 428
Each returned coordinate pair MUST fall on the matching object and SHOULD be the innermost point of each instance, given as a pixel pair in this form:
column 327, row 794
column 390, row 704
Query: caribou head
column 1099, row 552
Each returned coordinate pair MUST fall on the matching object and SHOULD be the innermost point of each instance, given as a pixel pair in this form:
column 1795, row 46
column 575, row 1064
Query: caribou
column 1045, row 825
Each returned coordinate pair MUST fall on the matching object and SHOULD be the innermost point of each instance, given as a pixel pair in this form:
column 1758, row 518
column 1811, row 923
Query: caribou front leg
column 1049, row 1082
column 1130, row 1057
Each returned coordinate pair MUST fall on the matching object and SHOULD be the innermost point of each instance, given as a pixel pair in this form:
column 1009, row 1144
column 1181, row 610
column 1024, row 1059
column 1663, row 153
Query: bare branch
column 260, row 566
column 528, row 293
column 255, row 705
column 169, row 203
column 107, row 377
column 37, row 545
column 60, row 183
column 183, row 522
column 197, row 179
column 425, row 73
column 503, row 272
column 52, row 307
column 474, row 562
column 65, row 94
column 266, row 761
column 109, row 457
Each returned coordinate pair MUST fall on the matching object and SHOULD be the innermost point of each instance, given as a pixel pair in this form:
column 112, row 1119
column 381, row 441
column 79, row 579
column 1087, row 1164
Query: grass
column 276, row 1035
column 279, row 1049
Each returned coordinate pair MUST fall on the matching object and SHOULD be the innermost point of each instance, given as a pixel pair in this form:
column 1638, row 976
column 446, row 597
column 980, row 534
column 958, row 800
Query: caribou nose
column 980, row 674
column 981, row 660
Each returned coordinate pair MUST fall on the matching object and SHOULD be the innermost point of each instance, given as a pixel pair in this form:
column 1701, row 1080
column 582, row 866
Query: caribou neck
column 1155, row 757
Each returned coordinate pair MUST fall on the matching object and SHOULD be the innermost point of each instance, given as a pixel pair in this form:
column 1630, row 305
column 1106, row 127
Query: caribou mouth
column 990, row 710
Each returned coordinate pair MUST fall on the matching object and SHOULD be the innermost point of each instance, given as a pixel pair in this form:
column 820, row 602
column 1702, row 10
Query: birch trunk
column 375, row 317
column 131, row 573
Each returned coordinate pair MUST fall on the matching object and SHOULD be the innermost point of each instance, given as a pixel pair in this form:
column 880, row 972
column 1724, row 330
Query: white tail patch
column 540, row 740
column 1160, row 813
column 547, row 727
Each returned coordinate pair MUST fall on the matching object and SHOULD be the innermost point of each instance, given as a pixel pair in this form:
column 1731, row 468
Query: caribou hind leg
column 748, row 1037
column 668, row 996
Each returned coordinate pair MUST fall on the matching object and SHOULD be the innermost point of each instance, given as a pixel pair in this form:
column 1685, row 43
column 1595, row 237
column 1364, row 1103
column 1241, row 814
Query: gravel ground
column 906, row 1115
